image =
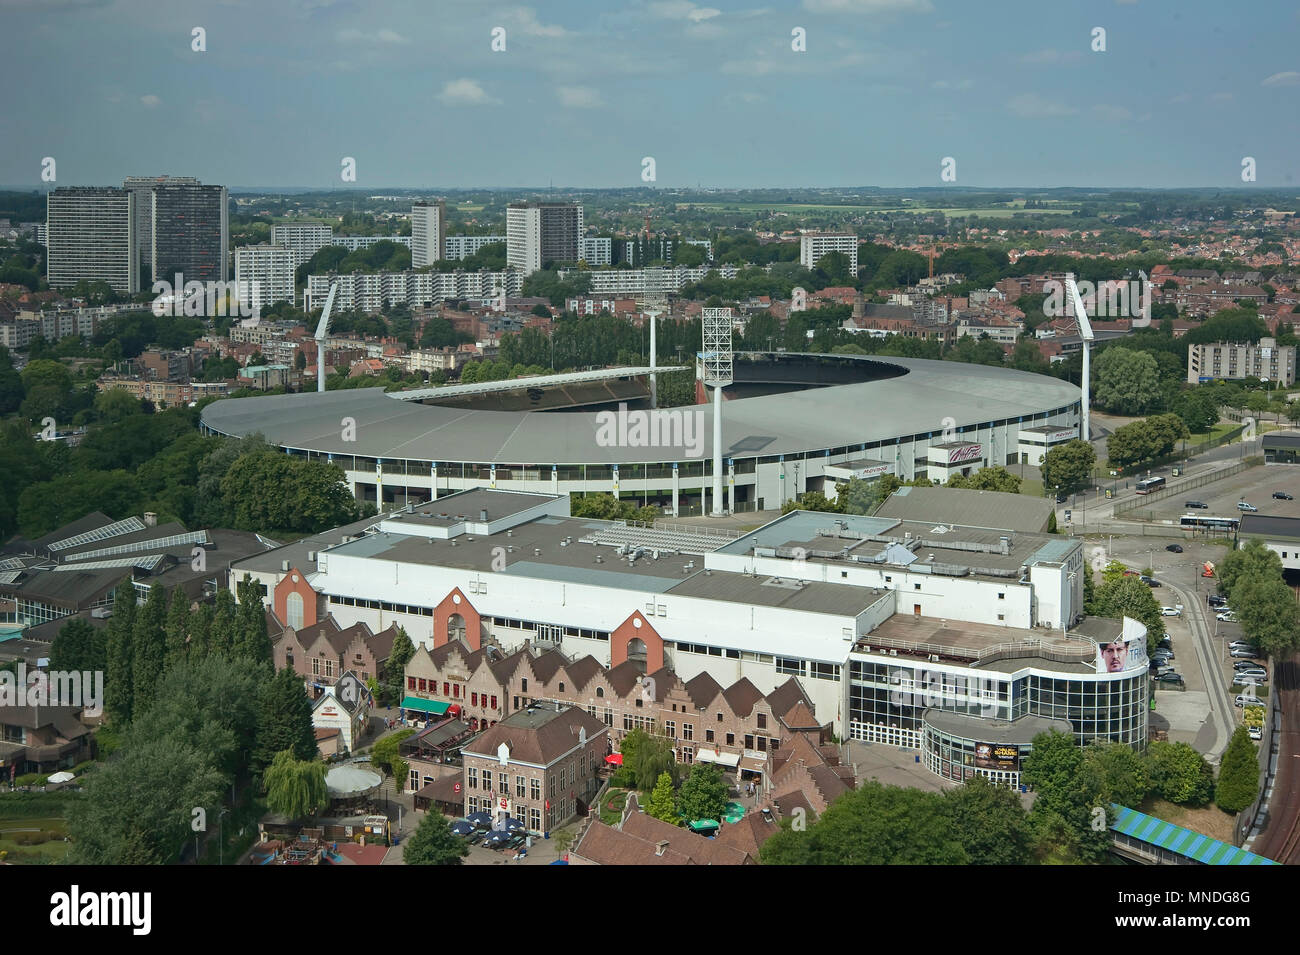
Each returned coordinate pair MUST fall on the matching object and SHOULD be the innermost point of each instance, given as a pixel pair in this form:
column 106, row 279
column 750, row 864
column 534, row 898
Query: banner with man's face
column 1127, row 652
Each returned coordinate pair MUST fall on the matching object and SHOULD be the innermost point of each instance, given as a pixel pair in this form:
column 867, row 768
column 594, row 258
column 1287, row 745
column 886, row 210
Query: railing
column 1060, row 650
column 1174, row 490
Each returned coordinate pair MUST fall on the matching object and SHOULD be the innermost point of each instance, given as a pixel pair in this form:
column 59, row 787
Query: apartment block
column 264, row 275
column 463, row 246
column 538, row 233
column 428, row 227
column 189, row 232
column 91, row 237
column 1242, row 360
column 813, row 245
column 303, row 240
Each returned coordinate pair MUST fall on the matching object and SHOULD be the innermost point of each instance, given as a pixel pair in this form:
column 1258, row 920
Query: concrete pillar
column 677, row 488
column 433, row 480
column 379, row 485
column 615, row 482
column 555, row 479
column 717, row 452
column 731, row 485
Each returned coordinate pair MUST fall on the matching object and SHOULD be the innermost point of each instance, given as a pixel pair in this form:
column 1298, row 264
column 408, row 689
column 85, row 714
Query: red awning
column 614, row 759
column 454, row 708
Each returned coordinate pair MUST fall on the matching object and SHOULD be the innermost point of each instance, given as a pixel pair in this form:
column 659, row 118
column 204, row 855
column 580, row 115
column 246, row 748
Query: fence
column 1174, row 457
column 1181, row 487
column 1246, row 820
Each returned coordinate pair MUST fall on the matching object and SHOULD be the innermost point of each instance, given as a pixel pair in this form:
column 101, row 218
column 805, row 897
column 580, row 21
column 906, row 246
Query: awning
column 614, row 759
column 454, row 709
column 713, row 756
column 753, row 764
column 424, row 706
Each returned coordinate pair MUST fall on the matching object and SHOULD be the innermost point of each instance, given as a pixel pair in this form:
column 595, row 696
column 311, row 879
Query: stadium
column 791, row 423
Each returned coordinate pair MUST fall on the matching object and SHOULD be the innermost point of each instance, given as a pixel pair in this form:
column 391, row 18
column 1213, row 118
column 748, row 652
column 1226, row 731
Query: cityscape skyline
column 1019, row 100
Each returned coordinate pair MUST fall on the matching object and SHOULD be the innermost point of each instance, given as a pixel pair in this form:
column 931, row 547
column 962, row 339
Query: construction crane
column 1085, row 334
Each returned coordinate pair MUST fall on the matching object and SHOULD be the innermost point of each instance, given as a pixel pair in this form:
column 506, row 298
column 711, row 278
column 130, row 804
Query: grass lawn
column 1033, row 487
column 16, row 840
column 1208, row 820
column 611, row 807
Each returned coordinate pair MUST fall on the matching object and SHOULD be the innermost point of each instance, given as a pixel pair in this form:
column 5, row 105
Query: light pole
column 221, row 838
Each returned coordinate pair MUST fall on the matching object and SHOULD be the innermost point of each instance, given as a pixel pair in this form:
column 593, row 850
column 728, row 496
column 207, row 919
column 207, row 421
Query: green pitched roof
column 1193, row 845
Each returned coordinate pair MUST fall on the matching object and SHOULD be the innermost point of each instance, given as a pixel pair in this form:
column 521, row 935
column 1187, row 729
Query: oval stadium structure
column 790, row 424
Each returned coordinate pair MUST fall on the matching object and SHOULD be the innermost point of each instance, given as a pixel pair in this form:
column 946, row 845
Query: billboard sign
column 1127, row 653
column 964, row 453
column 997, row 756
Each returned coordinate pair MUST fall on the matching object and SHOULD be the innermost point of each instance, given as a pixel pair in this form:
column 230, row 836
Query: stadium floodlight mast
column 718, row 373
column 1086, row 336
column 322, row 329
column 653, row 305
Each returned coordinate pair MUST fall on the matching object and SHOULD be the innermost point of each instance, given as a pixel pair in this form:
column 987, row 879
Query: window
column 494, row 702
column 1002, row 616
column 688, row 731
column 749, row 741
column 561, row 686
column 471, row 778
column 473, row 804
column 1002, row 596
column 503, row 780
column 888, row 579
column 473, row 699
column 762, row 721
column 293, row 610
column 708, row 736
column 844, row 573
column 638, row 702
column 731, row 739
column 520, row 786
column 535, row 819
column 600, row 692
column 424, row 685
column 410, row 683
column 446, row 688
column 916, row 586
column 523, row 685
column 536, row 789
column 671, row 728
column 719, row 717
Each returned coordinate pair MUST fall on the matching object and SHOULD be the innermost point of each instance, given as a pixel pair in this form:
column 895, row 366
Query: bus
column 1150, row 484
column 1205, row 523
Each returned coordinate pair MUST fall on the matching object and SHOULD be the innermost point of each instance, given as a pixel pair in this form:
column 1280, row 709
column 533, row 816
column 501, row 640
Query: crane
column 322, row 329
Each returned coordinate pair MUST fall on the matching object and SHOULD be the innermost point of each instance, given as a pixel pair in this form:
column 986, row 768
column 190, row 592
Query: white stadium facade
column 791, row 423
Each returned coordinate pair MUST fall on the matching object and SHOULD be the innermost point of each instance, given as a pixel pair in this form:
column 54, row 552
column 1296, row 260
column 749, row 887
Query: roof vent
column 482, row 515
column 284, row 566
column 311, row 556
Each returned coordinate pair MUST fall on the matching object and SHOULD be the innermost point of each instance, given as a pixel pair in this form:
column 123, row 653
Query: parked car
column 1240, row 645
column 1175, row 548
column 1247, row 653
column 1150, row 581
column 1256, row 732
column 1170, row 676
column 1247, row 665
column 1243, row 506
column 1171, row 611
column 1198, row 505
column 1215, row 600
column 1282, row 496
column 1248, row 699
column 1227, row 616
column 1257, row 676
column 1163, row 655
column 1246, row 679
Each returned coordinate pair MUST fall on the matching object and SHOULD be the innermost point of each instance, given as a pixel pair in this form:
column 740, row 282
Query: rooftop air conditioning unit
column 311, row 556
column 893, row 653
column 284, row 566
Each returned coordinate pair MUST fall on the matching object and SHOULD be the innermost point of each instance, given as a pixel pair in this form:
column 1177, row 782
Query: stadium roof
column 1265, row 525
column 932, row 395
column 540, row 381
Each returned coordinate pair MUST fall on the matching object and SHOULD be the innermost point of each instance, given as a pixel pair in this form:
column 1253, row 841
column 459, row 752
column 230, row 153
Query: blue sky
column 713, row 91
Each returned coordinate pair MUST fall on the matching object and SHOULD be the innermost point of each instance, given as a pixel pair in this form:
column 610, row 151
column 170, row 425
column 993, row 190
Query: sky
column 715, row 93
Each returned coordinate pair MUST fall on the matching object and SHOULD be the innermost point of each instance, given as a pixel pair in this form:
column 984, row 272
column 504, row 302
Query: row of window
column 550, row 631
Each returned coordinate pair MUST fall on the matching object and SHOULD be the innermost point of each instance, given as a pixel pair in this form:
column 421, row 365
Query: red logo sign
column 457, row 789
column 970, row 452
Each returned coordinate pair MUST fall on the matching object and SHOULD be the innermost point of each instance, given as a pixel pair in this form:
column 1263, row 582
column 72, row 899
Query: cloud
column 682, row 10
column 151, row 101
column 1288, row 78
column 466, row 92
column 867, row 6
column 1111, row 114
column 1033, row 106
column 384, row 36
column 579, row 97
column 526, row 22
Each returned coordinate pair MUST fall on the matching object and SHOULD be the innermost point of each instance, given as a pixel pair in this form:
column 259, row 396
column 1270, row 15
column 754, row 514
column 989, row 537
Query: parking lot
column 1254, row 485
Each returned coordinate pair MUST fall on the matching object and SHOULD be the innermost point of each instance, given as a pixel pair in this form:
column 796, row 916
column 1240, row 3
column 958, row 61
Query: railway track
column 1280, row 840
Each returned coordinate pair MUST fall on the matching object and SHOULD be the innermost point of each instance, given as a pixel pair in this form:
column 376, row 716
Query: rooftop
column 977, row 644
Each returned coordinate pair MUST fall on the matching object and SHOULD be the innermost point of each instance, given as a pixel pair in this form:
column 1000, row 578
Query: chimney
column 150, row 519
column 661, row 847
column 284, row 566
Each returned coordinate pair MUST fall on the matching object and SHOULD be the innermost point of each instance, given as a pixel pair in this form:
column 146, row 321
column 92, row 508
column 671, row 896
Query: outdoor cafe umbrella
column 480, row 819
column 512, row 824
column 63, row 777
column 497, row 836
column 462, row 827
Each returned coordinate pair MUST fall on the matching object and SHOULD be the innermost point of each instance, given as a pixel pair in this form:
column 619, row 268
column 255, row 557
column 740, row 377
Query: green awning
column 699, row 824
column 424, row 706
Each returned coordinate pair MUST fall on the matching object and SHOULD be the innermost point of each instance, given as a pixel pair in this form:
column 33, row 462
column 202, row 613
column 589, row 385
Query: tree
column 1069, row 799
column 384, row 753
column 176, row 628
column 395, row 668
column 704, row 793
column 251, row 638
column 873, row 825
column 662, row 803
column 118, row 684
column 1122, row 770
column 283, row 721
column 812, row 501
column 1130, row 597
column 1069, row 466
column 995, row 478
column 1252, row 561
column 433, row 843
column 78, row 646
column 1125, row 381
column 1238, row 773
column 221, row 635
column 647, row 756
column 295, row 788
column 1179, row 773
column 990, row 822
column 148, row 645
column 1270, row 618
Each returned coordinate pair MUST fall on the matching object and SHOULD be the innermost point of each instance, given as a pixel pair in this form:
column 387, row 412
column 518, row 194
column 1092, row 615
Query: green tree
column 812, row 501
column 384, row 753
column 1179, row 773
column 1130, row 597
column 1238, row 783
column 990, row 822
column 704, row 792
column 149, row 644
column 1122, row 770
column 200, row 632
column 1125, row 381
column 251, row 639
column 1252, row 561
column 283, row 721
column 1069, row 793
column 433, row 843
column 295, row 788
column 1069, row 466
column 222, row 634
column 996, row 478
column 118, row 683
column 78, row 646
column 392, row 688
column 662, row 803
column 176, row 629
column 1269, row 615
